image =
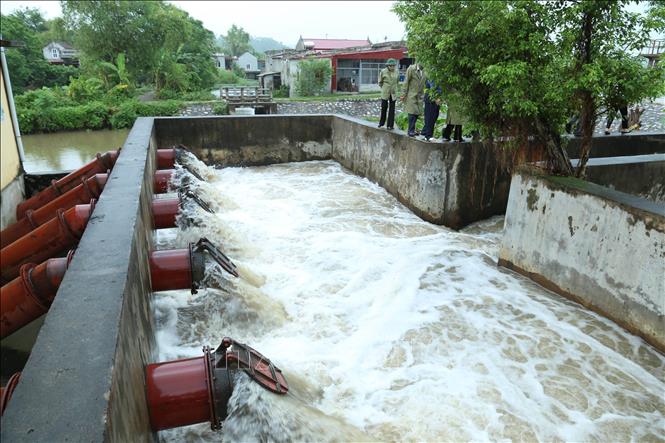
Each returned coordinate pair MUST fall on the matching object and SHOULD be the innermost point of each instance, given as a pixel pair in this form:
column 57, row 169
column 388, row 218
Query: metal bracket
column 235, row 355
column 206, row 245
column 190, row 194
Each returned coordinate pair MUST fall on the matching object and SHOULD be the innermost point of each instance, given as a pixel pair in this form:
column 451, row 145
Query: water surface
column 389, row 328
column 69, row 150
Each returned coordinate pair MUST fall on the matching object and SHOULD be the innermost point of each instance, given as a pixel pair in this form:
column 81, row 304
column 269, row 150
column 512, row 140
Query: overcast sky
column 284, row 21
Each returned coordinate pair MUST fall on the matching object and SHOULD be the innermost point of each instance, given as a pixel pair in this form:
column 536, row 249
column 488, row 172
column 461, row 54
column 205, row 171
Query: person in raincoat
column 454, row 118
column 432, row 108
column 389, row 83
column 412, row 95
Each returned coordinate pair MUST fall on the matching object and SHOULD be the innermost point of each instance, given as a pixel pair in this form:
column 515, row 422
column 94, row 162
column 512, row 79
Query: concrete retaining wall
column 453, row 184
column 637, row 143
column 602, row 248
column 12, row 195
column 249, row 140
column 84, row 380
column 640, row 175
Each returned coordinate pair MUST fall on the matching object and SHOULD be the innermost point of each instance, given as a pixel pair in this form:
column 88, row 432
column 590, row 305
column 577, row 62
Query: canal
column 69, row 150
column 394, row 329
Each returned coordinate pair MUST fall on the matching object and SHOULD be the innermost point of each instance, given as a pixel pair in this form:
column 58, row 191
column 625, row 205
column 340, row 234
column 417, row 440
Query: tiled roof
column 324, row 43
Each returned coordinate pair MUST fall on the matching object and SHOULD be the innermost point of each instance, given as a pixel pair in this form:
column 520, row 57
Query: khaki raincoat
column 455, row 114
column 389, row 83
column 414, row 86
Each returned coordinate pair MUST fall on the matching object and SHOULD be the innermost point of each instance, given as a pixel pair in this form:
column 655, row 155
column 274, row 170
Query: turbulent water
column 390, row 328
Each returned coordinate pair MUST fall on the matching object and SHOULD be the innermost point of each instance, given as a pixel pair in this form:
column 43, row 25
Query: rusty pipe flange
column 197, row 263
column 220, row 388
column 8, row 391
column 25, row 273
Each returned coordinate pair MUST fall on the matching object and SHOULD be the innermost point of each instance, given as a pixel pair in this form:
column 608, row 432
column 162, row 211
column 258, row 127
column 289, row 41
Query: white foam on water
column 396, row 329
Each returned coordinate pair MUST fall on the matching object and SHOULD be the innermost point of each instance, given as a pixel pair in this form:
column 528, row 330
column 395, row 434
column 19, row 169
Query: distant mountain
column 263, row 44
column 260, row 44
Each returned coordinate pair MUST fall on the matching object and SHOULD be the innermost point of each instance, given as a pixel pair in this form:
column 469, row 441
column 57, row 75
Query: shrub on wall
column 313, row 77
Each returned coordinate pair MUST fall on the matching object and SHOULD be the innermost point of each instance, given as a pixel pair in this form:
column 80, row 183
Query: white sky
column 284, row 21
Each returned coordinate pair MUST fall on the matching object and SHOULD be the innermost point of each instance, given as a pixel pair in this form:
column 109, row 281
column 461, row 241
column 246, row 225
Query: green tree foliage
column 236, row 41
column 313, row 77
column 161, row 43
column 523, row 67
column 28, row 67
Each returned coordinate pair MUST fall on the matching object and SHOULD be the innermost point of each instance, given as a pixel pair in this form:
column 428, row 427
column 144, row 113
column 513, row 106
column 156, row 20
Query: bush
column 220, row 108
column 281, row 92
column 94, row 115
column 227, row 77
column 313, row 77
column 130, row 110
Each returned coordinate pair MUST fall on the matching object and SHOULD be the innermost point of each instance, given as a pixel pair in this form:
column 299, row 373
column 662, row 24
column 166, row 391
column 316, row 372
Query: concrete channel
column 85, row 379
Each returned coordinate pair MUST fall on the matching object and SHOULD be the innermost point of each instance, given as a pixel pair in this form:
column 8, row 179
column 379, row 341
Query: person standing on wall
column 454, row 118
column 414, row 85
column 389, row 84
column 432, row 107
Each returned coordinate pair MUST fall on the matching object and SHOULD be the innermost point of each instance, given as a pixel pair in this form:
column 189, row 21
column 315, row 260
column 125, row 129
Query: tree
column 162, row 44
column 313, row 77
column 28, row 68
column 521, row 66
column 237, row 41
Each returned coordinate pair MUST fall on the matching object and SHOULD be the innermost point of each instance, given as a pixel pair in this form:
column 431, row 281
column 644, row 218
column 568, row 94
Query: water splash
column 400, row 329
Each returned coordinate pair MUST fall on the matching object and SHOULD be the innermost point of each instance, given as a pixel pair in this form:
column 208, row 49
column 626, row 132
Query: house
column 354, row 69
column 325, row 44
column 223, row 61
column 250, row 64
column 61, row 53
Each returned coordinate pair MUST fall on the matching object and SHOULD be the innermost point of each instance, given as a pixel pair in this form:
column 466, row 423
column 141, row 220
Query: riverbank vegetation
column 523, row 68
column 136, row 58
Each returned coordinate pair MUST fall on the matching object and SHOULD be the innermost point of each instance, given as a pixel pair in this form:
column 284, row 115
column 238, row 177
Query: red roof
column 324, row 43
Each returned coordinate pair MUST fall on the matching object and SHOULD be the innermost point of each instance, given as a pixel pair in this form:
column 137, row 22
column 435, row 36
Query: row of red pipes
column 52, row 222
column 180, row 392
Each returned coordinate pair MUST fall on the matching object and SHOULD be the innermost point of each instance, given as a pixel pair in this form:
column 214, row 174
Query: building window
column 54, row 53
column 248, row 67
column 370, row 71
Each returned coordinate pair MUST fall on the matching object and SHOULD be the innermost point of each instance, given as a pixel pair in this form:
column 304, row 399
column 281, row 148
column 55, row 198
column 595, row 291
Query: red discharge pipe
column 178, row 393
column 7, row 391
column 88, row 189
column 162, row 180
column 176, row 269
column 167, row 158
column 164, row 212
column 57, row 235
column 30, row 294
column 195, row 390
column 100, row 164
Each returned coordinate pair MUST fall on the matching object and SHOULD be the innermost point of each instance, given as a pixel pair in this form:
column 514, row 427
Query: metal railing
column 245, row 94
column 655, row 47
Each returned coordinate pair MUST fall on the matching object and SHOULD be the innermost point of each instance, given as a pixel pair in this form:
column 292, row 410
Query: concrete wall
column 452, row 184
column 84, row 380
column 602, row 248
column 10, row 164
column 11, row 177
column 640, row 175
column 249, row 140
column 636, row 143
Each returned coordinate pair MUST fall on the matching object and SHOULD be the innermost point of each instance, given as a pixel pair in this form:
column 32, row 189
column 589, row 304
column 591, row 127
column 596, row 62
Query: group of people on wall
column 418, row 94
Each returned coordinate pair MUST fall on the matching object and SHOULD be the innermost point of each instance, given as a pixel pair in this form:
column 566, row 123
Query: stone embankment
column 354, row 108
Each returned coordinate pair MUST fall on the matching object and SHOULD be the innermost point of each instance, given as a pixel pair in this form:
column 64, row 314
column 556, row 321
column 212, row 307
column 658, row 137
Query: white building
column 248, row 62
column 61, row 53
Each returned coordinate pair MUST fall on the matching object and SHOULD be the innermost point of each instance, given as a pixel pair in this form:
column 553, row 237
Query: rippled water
column 390, row 328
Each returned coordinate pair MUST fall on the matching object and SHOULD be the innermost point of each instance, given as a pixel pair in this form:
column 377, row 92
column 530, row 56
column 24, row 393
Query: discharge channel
column 390, row 328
